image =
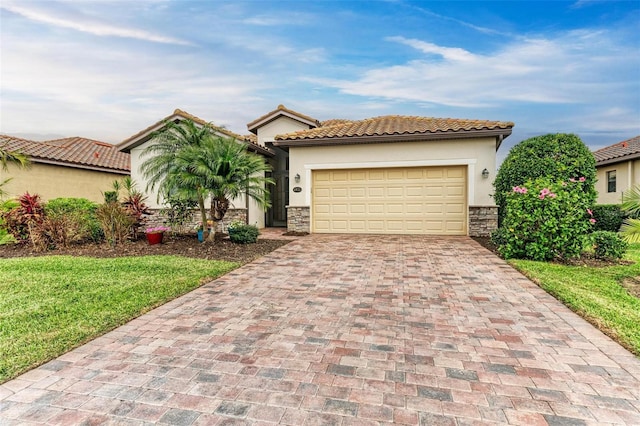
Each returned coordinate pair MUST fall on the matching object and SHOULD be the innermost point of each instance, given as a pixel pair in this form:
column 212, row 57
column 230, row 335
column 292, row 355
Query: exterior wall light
column 485, row 173
column 297, row 177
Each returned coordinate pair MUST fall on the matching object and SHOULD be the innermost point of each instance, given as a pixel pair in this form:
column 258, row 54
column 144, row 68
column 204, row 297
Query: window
column 611, row 181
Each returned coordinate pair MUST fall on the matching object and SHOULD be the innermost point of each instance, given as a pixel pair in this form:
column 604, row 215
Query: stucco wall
column 476, row 154
column 136, row 175
column 627, row 176
column 51, row 181
column 279, row 126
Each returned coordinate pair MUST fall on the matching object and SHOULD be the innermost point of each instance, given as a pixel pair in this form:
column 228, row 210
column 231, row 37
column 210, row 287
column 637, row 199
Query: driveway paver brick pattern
column 345, row 330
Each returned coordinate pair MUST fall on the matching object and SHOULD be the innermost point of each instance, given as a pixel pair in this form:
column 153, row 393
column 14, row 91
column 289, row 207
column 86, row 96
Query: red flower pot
column 155, row 238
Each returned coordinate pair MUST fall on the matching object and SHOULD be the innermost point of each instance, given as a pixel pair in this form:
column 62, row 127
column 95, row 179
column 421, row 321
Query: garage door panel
column 376, row 192
column 376, row 175
column 454, row 208
column 398, row 174
column 397, row 208
column 340, row 209
column 357, row 192
column 453, row 173
column 433, row 191
column 357, row 208
column 452, row 226
column 395, row 191
column 323, row 208
column 414, row 191
column 358, row 176
column 454, row 191
column 340, row 176
column 340, row 193
column 420, row 200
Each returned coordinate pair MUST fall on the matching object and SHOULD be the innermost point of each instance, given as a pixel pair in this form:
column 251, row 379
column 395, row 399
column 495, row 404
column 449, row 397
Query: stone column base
column 483, row 220
column 298, row 219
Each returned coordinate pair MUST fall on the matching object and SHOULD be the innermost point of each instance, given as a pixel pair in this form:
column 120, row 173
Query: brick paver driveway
column 345, row 330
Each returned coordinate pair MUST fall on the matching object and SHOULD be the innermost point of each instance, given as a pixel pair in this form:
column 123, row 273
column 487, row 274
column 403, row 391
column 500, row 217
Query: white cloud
column 478, row 28
column 107, row 93
column 281, row 19
column 573, row 68
column 85, row 24
column 450, row 53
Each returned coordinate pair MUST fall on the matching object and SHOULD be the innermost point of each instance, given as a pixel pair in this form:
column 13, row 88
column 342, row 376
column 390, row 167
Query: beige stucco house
column 388, row 175
column 618, row 169
column 70, row 167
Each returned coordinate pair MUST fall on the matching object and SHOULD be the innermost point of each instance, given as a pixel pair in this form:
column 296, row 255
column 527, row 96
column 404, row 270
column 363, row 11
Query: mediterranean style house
column 382, row 175
column 70, row 167
column 618, row 169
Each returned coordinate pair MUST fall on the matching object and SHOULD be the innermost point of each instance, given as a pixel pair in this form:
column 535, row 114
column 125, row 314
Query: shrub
column 608, row 245
column 179, row 212
column 5, row 207
column 115, row 221
column 6, row 238
column 545, row 220
column 241, row 233
column 608, row 217
column 110, row 196
column 559, row 157
column 81, row 214
column 26, row 216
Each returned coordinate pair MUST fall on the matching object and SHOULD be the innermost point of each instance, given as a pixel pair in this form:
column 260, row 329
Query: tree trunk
column 219, row 207
column 203, row 217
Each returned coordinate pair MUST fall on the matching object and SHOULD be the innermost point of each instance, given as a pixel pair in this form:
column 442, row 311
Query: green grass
column 51, row 304
column 595, row 293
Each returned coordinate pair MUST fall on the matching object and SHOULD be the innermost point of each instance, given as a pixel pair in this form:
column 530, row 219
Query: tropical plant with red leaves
column 22, row 220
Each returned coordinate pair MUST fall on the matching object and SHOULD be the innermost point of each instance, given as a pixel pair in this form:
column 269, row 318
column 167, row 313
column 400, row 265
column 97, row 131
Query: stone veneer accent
column 156, row 218
column 298, row 219
column 483, row 220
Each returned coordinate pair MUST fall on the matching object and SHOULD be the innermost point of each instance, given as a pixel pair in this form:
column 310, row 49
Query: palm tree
column 228, row 170
column 166, row 170
column 192, row 162
column 10, row 157
column 630, row 228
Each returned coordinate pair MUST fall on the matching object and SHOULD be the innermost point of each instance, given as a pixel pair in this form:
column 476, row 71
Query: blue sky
column 107, row 69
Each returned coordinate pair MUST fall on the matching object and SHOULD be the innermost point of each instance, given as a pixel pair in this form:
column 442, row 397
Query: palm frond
column 630, row 230
column 631, row 200
column 12, row 157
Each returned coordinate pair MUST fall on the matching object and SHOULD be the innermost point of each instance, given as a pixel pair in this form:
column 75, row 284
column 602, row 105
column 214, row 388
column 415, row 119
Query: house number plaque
column 297, row 189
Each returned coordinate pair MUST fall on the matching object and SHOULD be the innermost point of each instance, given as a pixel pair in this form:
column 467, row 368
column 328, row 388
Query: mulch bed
column 179, row 245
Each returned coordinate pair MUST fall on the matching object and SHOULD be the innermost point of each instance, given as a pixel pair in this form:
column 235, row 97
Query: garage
column 407, row 200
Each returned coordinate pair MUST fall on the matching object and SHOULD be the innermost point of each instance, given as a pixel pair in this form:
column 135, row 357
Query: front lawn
column 595, row 293
column 51, row 304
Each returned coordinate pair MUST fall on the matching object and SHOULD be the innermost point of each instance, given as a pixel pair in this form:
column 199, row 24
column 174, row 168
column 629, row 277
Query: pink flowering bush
column 157, row 230
column 545, row 220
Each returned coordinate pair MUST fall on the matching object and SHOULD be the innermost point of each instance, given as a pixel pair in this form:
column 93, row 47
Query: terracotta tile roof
column 335, row 121
column 143, row 135
column 620, row 151
column 393, row 125
column 281, row 110
column 74, row 152
column 199, row 120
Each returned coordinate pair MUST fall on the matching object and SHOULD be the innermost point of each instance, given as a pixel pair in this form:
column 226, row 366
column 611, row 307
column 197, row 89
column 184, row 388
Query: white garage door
column 412, row 200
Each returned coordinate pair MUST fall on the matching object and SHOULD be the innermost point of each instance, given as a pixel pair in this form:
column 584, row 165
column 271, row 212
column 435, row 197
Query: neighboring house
column 70, row 167
column 383, row 175
column 618, row 169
